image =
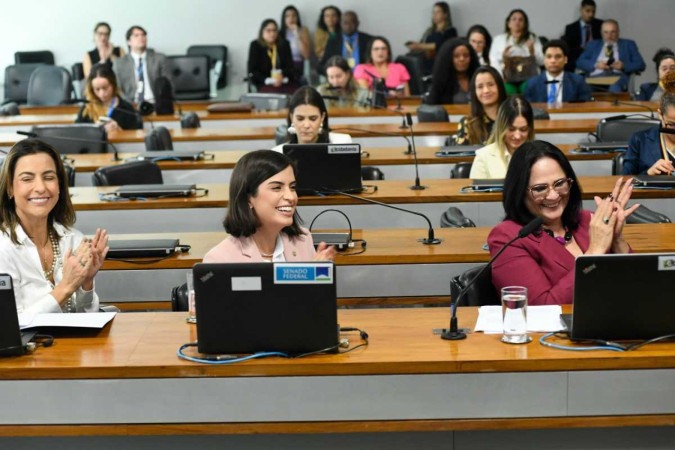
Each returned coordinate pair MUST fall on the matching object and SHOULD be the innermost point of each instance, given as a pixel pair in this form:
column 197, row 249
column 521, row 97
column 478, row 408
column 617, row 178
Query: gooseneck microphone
column 431, row 239
column 31, row 134
column 617, row 102
column 453, row 333
column 377, row 133
column 417, row 186
column 364, row 103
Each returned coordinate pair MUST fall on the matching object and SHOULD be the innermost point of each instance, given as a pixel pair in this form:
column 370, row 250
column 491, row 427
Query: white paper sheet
column 71, row 320
column 540, row 319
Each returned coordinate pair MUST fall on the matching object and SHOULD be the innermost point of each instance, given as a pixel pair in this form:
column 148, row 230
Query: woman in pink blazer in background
column 262, row 220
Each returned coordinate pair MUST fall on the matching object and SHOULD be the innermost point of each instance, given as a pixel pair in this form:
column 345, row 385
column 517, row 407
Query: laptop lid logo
column 303, row 273
column 5, row 282
column 666, row 262
column 344, row 149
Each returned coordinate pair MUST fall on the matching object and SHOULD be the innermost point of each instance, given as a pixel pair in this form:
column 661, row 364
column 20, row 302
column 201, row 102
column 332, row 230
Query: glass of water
column 192, row 310
column 514, row 315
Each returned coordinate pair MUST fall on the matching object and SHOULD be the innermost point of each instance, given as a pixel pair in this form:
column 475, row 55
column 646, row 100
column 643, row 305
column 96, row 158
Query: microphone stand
column 417, row 186
column 31, row 134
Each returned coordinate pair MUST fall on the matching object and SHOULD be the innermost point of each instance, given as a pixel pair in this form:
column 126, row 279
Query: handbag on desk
column 519, row 68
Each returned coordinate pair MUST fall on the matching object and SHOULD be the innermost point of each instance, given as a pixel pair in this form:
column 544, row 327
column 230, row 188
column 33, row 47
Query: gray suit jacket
column 125, row 71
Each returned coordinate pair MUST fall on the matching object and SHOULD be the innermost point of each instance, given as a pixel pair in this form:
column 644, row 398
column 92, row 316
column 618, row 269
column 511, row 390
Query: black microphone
column 364, row 103
column 453, row 333
column 617, row 102
column 378, row 89
column 31, row 134
column 625, row 116
column 417, row 186
column 377, row 133
column 429, row 240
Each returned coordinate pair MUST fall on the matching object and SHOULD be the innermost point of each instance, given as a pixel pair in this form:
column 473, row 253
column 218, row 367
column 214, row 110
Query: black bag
column 519, row 68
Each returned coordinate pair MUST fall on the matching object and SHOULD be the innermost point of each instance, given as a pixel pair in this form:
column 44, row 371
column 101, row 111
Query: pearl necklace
column 56, row 256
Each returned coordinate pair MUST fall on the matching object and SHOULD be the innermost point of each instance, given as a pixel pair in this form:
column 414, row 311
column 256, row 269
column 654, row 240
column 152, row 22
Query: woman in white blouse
column 52, row 265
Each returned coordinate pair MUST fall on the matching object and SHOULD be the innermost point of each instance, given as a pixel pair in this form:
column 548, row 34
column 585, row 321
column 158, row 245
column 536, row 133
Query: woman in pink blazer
column 262, row 220
column 541, row 182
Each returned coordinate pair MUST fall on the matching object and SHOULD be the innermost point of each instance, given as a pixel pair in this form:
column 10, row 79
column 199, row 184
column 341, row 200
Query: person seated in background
column 611, row 56
column 440, row 31
column 481, row 41
column 104, row 104
column 262, row 221
column 308, row 121
column 517, row 53
column 665, row 63
column 555, row 85
column 650, row 151
column 540, row 182
column 270, row 63
column 104, row 53
column 341, row 84
column 379, row 65
column 297, row 37
column 487, row 94
column 327, row 27
column 455, row 65
column 514, row 127
column 581, row 32
column 138, row 71
column 52, row 265
column 349, row 42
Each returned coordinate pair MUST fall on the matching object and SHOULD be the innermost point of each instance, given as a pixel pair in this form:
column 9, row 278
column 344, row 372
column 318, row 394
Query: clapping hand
column 324, row 252
column 99, row 250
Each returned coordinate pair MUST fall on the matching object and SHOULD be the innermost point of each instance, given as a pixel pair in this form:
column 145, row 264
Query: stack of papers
column 540, row 319
column 71, row 320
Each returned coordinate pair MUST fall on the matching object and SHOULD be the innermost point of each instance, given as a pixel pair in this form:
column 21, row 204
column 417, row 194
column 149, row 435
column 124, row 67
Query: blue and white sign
column 308, row 273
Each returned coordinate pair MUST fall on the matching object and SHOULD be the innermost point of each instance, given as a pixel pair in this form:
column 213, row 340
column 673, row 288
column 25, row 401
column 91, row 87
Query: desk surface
column 389, row 191
column 393, row 246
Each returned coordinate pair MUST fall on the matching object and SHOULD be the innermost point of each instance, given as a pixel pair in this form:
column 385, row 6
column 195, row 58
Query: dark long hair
column 94, row 108
column 488, row 40
column 63, row 212
column 251, row 171
column 444, row 83
column 282, row 27
column 517, row 182
column 264, row 23
column 526, row 30
column 369, row 48
column 478, row 130
column 322, row 25
column 307, row 95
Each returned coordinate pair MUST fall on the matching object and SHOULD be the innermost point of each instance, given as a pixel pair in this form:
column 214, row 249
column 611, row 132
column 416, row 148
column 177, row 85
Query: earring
column 320, row 129
column 292, row 130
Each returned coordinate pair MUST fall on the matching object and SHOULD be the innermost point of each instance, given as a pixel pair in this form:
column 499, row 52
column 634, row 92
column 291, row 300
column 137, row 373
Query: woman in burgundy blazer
column 261, row 218
column 540, row 182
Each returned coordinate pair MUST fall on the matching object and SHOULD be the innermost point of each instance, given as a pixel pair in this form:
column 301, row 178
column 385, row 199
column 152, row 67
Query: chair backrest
column 49, row 86
column 280, row 133
column 77, row 70
column 16, row 81
column 432, row 113
column 179, row 298
column 617, row 164
column 86, row 137
column 414, row 65
column 263, row 101
column 645, row 215
column 371, row 173
column 36, row 57
column 481, row 293
column 217, row 54
column 461, row 170
column 453, row 217
column 10, row 109
column 622, row 130
column 190, row 119
column 135, row 172
column 70, row 173
column 158, row 138
column 190, row 77
column 540, row 114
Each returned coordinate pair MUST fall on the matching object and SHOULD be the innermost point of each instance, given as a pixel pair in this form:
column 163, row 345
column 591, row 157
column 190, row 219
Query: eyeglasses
column 667, row 124
column 561, row 187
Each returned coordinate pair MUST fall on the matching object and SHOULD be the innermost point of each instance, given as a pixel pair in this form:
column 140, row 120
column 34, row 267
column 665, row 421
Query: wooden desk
column 127, row 381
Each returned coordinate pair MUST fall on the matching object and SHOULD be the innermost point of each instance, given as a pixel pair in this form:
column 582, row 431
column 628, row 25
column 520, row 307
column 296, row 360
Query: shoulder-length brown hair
column 94, row 108
column 63, row 211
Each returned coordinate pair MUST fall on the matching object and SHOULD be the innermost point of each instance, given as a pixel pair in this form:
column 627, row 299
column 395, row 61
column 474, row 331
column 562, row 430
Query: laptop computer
column 185, row 155
column 488, row 184
column 13, row 341
column 156, row 190
column 324, row 168
column 134, row 248
column 610, row 146
column 258, row 307
column 657, row 181
column 458, row 150
column 623, row 297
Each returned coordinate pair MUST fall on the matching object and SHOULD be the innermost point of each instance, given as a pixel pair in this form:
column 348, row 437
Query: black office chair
column 646, row 215
column 179, row 298
column 190, row 77
column 265, row 102
column 77, row 72
column 461, row 170
column 432, row 113
column 135, row 172
column 49, row 86
column 280, row 134
column 540, row 114
column 217, row 59
column 16, row 82
column 190, row 120
column 453, row 217
column 34, row 57
column 414, row 64
column 70, row 173
column 91, row 138
column 158, row 138
column 10, row 109
column 617, row 164
column 622, row 130
column 481, row 293
column 371, row 173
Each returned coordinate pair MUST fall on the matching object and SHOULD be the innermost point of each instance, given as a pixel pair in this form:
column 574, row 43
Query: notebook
column 323, row 168
column 133, row 248
column 13, row 341
column 488, row 184
column 155, row 190
column 256, row 307
column 658, row 181
column 624, row 296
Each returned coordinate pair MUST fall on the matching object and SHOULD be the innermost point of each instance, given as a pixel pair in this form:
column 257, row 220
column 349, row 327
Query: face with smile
column 307, row 120
column 275, row 201
column 102, row 89
column 666, row 66
column 487, row 91
column 517, row 134
column 547, row 171
column 35, row 187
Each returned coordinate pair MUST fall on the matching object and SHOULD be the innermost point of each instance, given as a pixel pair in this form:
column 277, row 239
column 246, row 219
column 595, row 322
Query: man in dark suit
column 555, row 85
column 139, row 69
column 579, row 33
column 350, row 43
column 611, row 56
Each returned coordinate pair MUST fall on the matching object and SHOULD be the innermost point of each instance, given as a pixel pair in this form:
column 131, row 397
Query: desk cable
column 600, row 343
column 349, row 223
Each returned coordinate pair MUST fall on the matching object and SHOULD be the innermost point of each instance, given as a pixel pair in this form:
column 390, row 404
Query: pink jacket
column 243, row 249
